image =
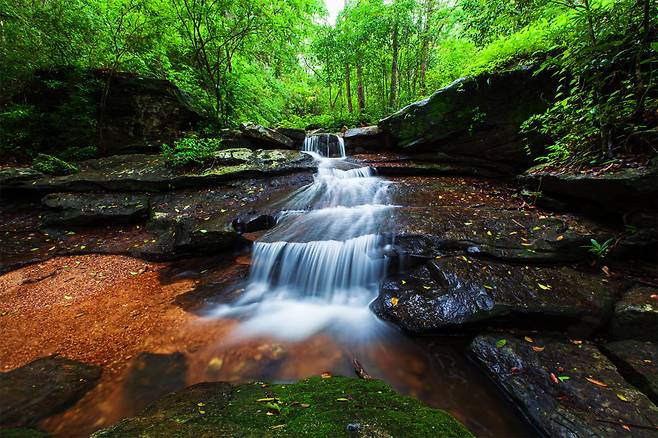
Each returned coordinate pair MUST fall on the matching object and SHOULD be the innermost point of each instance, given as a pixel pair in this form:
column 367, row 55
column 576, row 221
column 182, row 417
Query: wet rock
column 233, row 156
column 266, row 137
column 253, row 221
column 638, row 363
column 474, row 116
column 550, row 385
column 17, row 176
column 313, row 407
column 365, row 138
column 624, row 191
column 296, row 135
column 140, row 172
column 636, row 315
column 453, row 294
column 151, row 376
column 215, row 289
column 42, row 388
column 95, row 209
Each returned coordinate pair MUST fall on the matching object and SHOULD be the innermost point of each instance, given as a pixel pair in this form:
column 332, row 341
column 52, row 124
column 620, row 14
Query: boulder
column 95, row 209
column 567, row 389
column 636, row 315
column 296, row 135
column 454, row 294
column 638, row 363
column 474, row 116
column 266, row 137
column 315, row 407
column 12, row 176
column 365, row 138
column 42, row 388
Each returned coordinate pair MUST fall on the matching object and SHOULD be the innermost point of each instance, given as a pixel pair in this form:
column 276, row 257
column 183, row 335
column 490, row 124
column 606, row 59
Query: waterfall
column 326, row 145
column 323, row 262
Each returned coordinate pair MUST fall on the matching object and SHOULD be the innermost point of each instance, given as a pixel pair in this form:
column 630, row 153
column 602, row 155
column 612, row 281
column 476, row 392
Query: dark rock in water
column 296, row 135
column 18, row 175
column 314, row 407
column 140, row 172
column 42, row 388
column 638, row 363
column 621, row 192
column 214, row 289
column 151, row 376
column 457, row 293
column 266, row 137
column 249, row 223
column 566, row 390
column 366, row 138
column 474, row 116
column 636, row 315
column 95, row 209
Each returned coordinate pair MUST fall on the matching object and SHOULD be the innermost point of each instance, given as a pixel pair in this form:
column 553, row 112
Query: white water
column 323, row 263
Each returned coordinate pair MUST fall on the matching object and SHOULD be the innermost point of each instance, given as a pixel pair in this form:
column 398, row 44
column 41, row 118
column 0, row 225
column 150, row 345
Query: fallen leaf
column 529, row 339
column 622, row 398
column 427, row 287
column 515, row 370
column 501, row 343
column 563, row 378
column 625, row 427
column 266, row 399
column 278, row 426
column 544, row 286
column 559, row 238
column 554, row 378
column 326, row 375
column 394, row 301
column 342, row 399
column 404, row 282
column 203, row 231
column 537, row 349
column 201, row 404
column 606, row 271
column 596, row 382
column 576, row 341
column 489, row 233
column 653, row 296
column 305, row 405
column 486, row 286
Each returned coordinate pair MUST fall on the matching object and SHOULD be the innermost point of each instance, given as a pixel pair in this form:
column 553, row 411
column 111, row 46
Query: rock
column 95, row 209
column 636, row 315
column 52, row 165
column 366, row 138
column 620, row 192
column 453, row 294
column 475, row 117
column 151, row 376
column 17, row 176
column 233, row 156
column 141, row 172
column 266, row 137
column 638, row 363
column 42, row 388
column 313, row 407
column 249, row 223
column 296, row 135
column 574, row 406
column 23, row 432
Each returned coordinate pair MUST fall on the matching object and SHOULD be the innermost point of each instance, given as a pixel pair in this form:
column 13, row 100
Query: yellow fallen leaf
column 326, row 375
column 200, row 404
column 404, row 282
column 486, row 286
column 266, row 399
column 529, row 339
column 559, row 238
column 427, row 287
column 544, row 286
column 342, row 399
column 596, row 382
column 622, row 398
column 394, row 301
column 489, row 233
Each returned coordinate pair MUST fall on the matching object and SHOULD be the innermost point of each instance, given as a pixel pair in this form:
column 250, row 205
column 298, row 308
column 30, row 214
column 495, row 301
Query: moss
column 52, row 165
column 313, row 407
column 22, row 432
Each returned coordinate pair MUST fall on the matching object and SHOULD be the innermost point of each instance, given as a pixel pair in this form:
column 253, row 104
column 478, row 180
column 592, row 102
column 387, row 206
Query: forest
column 328, row 218
column 283, row 64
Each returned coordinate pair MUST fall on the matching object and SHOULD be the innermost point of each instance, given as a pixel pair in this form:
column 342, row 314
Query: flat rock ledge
column 638, row 363
column 636, row 315
column 337, row 406
column 458, row 293
column 42, row 388
column 566, row 388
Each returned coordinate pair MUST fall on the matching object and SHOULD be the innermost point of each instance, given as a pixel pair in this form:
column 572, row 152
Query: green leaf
column 501, row 343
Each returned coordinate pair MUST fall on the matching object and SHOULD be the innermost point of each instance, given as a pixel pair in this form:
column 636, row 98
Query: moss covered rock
column 52, row 165
column 333, row 407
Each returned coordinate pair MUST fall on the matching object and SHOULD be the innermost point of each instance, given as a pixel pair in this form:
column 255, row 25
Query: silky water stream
column 305, row 307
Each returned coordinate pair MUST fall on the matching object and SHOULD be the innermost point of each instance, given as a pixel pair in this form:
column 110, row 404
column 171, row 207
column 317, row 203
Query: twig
column 360, row 371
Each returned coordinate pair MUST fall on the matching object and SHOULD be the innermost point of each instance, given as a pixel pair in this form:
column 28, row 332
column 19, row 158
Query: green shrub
column 73, row 153
column 190, row 151
column 52, row 165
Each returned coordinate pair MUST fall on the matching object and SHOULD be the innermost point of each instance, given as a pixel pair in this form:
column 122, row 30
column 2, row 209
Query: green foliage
column 600, row 250
column 191, row 151
column 73, row 153
column 52, row 165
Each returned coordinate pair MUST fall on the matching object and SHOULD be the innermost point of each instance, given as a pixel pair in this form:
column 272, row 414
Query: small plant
column 190, row 151
column 72, row 153
column 600, row 250
column 52, row 165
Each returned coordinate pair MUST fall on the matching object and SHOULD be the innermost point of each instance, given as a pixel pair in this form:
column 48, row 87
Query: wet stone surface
column 638, row 362
column 95, row 209
column 43, row 387
column 458, row 292
column 636, row 315
column 566, row 388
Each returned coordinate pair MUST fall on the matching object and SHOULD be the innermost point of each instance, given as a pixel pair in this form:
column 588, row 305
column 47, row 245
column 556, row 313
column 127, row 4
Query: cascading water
column 322, row 264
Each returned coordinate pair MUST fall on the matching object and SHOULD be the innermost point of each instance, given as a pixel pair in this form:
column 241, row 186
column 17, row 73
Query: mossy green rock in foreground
column 332, row 407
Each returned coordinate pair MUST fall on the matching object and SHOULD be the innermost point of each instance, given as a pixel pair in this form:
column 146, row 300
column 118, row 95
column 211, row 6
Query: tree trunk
column 348, row 88
column 359, row 87
column 425, row 45
column 392, row 98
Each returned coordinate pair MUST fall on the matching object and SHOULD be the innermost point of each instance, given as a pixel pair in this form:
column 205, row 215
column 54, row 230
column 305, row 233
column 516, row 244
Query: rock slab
column 638, row 362
column 566, row 389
